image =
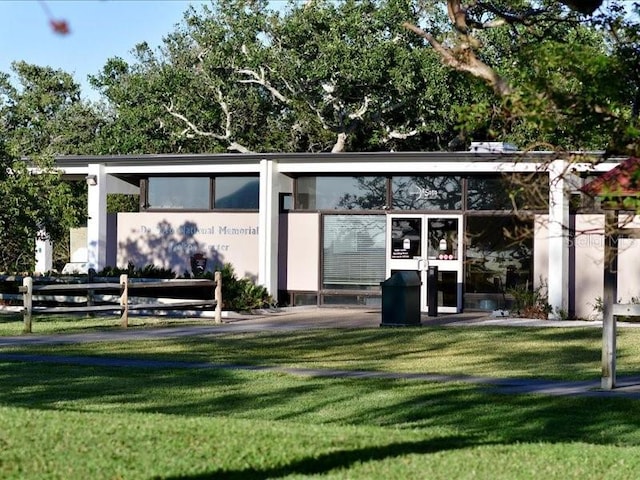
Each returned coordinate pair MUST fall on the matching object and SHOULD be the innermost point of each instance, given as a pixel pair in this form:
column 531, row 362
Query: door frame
column 409, row 256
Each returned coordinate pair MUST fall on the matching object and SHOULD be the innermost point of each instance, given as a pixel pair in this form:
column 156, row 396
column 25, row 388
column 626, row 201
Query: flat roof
column 68, row 161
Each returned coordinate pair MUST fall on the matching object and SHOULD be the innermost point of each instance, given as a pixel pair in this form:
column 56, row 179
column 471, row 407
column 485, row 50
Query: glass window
column 179, row 193
column 406, row 237
column 237, row 192
column 353, row 251
column 341, row 193
column 498, row 255
column 426, row 193
column 442, row 241
column 508, row 192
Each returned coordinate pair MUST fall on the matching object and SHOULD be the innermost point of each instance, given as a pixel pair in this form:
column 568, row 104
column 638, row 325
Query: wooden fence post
column 91, row 275
column 217, row 276
column 27, row 300
column 124, row 300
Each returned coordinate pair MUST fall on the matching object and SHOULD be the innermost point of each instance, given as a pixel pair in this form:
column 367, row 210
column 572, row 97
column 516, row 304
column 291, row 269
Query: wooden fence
column 158, row 295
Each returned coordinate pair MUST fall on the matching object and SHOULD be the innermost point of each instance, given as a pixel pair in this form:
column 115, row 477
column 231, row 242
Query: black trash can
column 401, row 299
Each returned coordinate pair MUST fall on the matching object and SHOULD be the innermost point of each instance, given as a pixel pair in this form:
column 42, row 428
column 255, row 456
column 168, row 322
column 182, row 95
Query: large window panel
column 499, row 254
column 508, row 192
column 179, row 193
column 426, row 193
column 341, row 193
column 237, row 193
column 353, row 252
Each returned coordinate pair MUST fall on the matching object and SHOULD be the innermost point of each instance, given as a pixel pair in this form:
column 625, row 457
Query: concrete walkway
column 314, row 318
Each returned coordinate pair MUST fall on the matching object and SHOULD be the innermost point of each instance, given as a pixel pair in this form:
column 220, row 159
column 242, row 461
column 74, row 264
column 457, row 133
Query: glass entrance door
column 417, row 242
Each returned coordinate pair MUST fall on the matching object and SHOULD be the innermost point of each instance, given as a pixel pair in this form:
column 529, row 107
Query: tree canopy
column 40, row 117
column 561, row 77
column 326, row 76
column 380, row 75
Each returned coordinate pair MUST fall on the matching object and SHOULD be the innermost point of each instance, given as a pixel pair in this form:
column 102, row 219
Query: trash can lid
column 403, row 278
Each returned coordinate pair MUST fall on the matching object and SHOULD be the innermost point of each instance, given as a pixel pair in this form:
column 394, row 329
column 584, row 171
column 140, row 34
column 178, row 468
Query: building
column 328, row 228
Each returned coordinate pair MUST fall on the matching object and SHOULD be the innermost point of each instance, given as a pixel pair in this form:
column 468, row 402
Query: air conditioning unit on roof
column 492, row 147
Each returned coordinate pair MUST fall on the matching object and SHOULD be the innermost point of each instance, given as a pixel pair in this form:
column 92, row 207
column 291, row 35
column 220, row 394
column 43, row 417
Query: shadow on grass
column 406, row 404
column 342, row 459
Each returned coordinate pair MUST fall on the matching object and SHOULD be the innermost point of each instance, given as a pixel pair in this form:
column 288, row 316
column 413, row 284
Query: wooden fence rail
column 125, row 289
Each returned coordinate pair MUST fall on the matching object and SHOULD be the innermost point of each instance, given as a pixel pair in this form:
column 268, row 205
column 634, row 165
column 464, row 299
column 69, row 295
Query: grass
column 12, row 324
column 69, row 421
column 554, row 353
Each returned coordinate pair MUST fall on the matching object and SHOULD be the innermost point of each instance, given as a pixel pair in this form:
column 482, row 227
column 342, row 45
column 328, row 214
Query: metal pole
column 608, row 299
column 432, row 291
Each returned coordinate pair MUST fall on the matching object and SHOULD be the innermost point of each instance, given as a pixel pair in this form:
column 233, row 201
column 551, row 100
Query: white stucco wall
column 169, row 239
column 78, row 244
column 588, row 245
column 302, row 269
column 540, row 251
column 629, row 263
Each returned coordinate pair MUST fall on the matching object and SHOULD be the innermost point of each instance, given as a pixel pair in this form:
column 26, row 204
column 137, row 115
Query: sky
column 99, row 30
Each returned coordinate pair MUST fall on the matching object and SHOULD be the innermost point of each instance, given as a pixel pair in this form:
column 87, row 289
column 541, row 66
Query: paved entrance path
column 297, row 319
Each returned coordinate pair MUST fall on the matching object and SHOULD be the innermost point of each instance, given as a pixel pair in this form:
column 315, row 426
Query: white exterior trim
column 268, row 227
column 406, row 167
column 97, row 218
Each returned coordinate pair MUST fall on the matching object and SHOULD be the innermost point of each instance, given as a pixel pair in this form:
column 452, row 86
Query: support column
column 558, row 280
column 268, row 227
column 97, row 217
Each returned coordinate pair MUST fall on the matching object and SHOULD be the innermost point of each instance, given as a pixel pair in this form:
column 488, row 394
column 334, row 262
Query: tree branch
column 226, row 137
column 261, row 80
column 464, row 60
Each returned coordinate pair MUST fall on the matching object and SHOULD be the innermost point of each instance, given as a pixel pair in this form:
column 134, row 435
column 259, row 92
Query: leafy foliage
column 531, row 303
column 41, row 117
column 322, row 76
column 562, row 80
column 34, row 206
column 44, row 114
column 241, row 294
column 148, row 271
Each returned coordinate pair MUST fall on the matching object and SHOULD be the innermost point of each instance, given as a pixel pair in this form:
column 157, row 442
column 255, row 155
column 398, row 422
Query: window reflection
column 341, row 193
column 237, row 192
column 426, row 193
column 194, row 193
column 179, row 192
column 508, row 192
column 443, row 238
column 499, row 254
column 406, row 237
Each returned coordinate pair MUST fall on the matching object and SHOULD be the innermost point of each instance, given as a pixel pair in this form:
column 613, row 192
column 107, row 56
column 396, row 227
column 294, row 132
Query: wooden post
column 91, row 274
column 27, row 300
column 124, row 300
column 608, row 299
column 217, row 276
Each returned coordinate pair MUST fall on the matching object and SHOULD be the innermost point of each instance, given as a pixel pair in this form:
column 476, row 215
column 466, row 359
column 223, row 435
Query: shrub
column 531, row 303
column 148, row 271
column 239, row 294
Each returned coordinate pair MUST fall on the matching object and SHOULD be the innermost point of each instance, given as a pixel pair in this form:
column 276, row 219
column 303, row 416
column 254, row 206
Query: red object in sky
column 60, row 27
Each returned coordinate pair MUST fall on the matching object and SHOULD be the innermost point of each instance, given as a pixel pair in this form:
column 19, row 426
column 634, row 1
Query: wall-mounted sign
column 191, row 242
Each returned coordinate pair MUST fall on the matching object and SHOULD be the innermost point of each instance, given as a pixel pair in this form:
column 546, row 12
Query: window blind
column 353, row 251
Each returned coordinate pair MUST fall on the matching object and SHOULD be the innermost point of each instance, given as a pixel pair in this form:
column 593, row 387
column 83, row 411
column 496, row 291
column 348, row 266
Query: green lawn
column 65, row 421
